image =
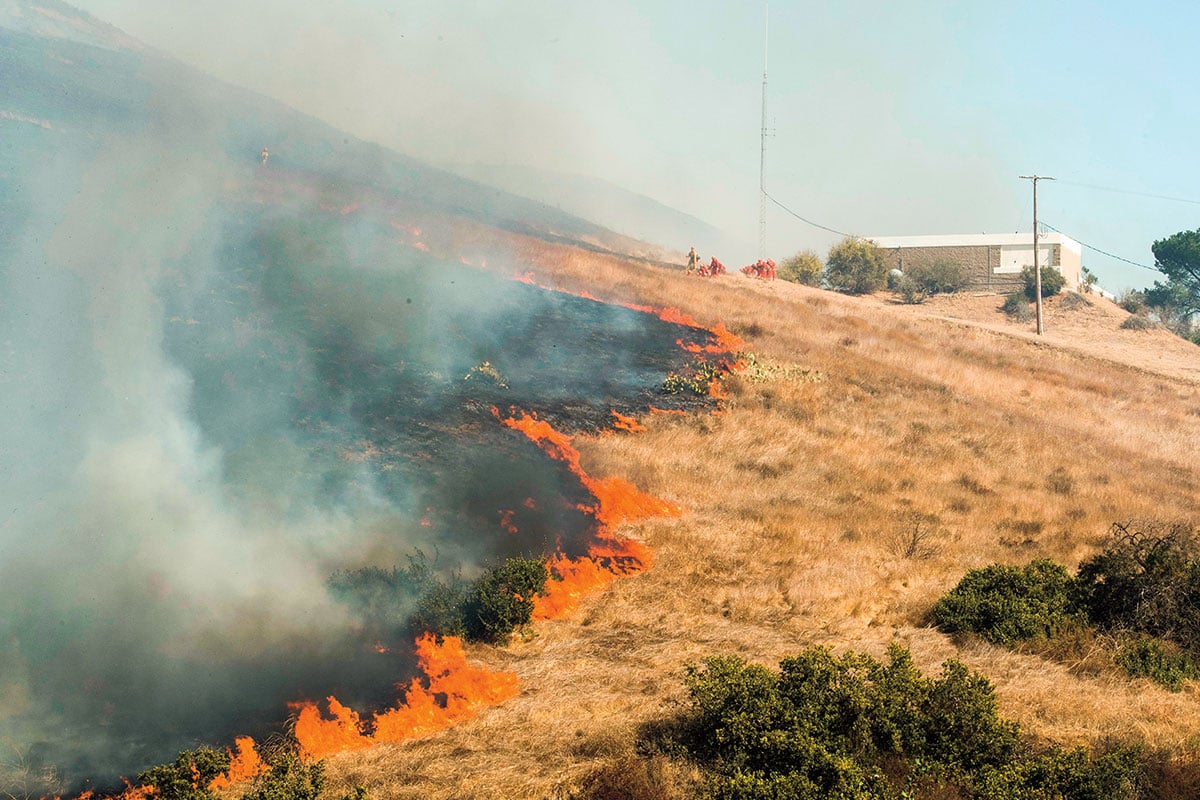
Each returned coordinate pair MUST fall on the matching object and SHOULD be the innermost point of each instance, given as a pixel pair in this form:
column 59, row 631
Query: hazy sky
column 890, row 117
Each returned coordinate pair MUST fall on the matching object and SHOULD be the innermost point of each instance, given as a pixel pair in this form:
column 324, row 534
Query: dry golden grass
column 802, row 500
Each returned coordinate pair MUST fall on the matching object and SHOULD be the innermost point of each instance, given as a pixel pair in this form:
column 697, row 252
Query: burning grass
column 854, row 420
column 797, row 499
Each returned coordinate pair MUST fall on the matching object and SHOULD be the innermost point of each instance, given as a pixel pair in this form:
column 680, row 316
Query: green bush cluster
column 1052, row 282
column 1161, row 662
column 923, row 279
column 1016, row 305
column 1006, row 605
column 850, row 727
column 805, row 267
column 288, row 778
column 1143, row 587
column 188, row 776
column 855, row 266
column 502, row 599
column 415, row 598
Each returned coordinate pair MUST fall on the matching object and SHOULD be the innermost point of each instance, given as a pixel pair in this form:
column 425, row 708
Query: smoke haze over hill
column 223, row 380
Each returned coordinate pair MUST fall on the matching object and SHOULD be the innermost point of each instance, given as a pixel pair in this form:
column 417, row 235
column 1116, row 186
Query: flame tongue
column 244, row 765
column 452, row 691
column 608, row 557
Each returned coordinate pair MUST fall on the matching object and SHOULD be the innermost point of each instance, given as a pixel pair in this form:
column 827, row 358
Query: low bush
column 805, row 267
column 910, row 291
column 851, row 727
column 855, row 266
column 188, row 776
column 938, row 277
column 1008, row 605
column 1143, row 588
column 1074, row 300
column 1162, row 662
column 502, row 600
column 1138, row 322
column 1147, row 580
column 1052, row 282
column 1016, row 306
column 289, row 778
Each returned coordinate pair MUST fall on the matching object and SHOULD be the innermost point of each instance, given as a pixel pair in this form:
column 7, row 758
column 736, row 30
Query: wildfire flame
column 451, row 691
column 624, row 423
column 617, row 501
column 244, row 765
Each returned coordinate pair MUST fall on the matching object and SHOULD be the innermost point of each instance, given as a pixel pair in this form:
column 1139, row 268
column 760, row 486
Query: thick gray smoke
column 217, row 390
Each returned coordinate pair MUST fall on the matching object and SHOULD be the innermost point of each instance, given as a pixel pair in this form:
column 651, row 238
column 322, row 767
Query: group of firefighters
column 761, row 269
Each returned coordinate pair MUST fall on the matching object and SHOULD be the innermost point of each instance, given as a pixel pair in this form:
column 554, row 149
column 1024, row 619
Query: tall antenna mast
column 762, row 153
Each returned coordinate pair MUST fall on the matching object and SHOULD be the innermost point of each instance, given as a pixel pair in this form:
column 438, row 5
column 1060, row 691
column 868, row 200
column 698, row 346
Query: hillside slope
column 800, row 501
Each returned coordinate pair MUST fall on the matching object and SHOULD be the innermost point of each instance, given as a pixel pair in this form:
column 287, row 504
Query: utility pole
column 1037, row 267
column 762, row 153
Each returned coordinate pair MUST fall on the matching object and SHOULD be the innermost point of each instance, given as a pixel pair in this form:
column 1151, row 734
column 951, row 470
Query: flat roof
column 975, row 240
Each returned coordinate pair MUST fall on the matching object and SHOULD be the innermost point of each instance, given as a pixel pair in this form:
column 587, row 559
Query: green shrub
column 855, row 266
column 188, row 776
column 502, row 599
column 1052, row 282
column 909, row 290
column 938, row 277
column 1016, row 306
column 1007, row 605
column 1161, row 662
column 1068, row 775
column 288, row 779
column 828, row 725
column 805, row 267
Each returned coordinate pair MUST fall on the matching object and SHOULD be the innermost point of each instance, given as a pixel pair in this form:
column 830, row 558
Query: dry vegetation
column 834, row 511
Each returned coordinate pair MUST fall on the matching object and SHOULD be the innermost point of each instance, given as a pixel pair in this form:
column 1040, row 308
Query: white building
column 993, row 260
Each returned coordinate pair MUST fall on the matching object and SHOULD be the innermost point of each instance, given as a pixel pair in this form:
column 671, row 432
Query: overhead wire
column 805, row 220
column 1093, row 248
column 1098, row 250
column 1130, row 191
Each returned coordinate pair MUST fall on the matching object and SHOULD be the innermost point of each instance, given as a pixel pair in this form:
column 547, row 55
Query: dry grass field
column 874, row 454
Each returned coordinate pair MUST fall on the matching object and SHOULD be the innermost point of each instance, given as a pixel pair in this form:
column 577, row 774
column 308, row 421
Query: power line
column 804, row 220
column 1102, row 252
column 1132, row 192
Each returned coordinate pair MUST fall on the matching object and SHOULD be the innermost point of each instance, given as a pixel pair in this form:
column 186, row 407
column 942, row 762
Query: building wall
column 981, row 262
column 989, row 267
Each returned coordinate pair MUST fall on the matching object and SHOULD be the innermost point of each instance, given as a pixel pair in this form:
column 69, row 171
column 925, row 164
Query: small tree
column 1178, row 257
column 1052, row 282
column 1087, row 280
column 805, row 267
column 855, row 266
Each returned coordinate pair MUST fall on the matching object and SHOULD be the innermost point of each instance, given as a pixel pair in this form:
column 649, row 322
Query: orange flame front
column 244, row 765
column 624, row 423
column 451, row 691
column 617, row 501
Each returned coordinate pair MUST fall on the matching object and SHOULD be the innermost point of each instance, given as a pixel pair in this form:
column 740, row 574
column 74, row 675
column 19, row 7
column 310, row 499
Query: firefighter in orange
column 265, row 155
column 693, row 260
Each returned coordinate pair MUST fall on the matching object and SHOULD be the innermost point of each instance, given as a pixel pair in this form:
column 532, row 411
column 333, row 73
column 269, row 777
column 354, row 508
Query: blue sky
column 889, row 118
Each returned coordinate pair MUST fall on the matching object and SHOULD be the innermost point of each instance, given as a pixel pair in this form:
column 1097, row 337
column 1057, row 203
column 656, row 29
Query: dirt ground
column 1094, row 330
